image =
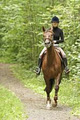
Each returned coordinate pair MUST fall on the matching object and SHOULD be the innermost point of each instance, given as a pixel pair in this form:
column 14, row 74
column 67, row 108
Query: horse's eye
column 50, row 35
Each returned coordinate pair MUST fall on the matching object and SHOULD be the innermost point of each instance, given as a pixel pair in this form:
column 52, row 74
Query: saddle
column 59, row 53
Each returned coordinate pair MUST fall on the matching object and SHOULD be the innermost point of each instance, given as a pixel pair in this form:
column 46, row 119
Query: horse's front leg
column 57, row 81
column 48, row 103
column 48, row 90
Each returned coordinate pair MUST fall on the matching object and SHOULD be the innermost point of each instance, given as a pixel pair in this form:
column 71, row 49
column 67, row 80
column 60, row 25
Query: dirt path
column 33, row 102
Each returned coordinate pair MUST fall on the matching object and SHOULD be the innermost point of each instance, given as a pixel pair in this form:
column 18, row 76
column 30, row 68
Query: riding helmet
column 55, row 19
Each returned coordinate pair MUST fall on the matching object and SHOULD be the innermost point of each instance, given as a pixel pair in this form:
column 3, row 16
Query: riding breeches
column 57, row 49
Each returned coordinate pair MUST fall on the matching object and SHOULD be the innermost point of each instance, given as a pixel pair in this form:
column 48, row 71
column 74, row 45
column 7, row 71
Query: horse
column 51, row 67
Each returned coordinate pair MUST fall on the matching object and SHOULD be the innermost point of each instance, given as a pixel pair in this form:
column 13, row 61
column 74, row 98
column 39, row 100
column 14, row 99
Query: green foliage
column 11, row 107
column 70, row 95
column 21, row 29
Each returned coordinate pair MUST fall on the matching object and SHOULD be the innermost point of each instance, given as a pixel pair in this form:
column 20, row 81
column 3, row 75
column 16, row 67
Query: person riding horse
column 58, row 37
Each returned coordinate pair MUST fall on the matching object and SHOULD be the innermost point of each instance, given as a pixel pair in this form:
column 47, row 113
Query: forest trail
column 34, row 104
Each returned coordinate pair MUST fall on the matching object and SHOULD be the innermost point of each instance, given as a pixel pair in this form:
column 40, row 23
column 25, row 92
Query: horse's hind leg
column 57, row 82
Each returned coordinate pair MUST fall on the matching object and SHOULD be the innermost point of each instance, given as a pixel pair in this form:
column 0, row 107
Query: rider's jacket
column 58, row 35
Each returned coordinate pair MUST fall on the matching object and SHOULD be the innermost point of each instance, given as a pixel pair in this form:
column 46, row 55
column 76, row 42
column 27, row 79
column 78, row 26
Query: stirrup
column 67, row 71
column 38, row 70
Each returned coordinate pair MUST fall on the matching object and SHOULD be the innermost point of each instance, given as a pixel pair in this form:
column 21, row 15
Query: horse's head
column 48, row 37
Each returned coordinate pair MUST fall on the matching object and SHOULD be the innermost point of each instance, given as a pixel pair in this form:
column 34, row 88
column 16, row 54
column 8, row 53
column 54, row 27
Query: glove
column 54, row 41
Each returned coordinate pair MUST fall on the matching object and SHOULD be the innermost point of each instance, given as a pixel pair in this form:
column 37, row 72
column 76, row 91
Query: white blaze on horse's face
column 47, row 34
column 47, row 43
column 48, row 39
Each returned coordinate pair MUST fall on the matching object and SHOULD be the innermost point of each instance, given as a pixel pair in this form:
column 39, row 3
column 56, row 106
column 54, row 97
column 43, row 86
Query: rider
column 58, row 37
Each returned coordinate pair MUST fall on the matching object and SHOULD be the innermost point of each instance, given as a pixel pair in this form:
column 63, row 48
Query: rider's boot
column 38, row 70
column 65, row 65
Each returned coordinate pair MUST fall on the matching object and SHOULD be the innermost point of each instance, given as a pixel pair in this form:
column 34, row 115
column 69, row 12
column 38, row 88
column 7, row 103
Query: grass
column 69, row 93
column 11, row 107
column 7, row 59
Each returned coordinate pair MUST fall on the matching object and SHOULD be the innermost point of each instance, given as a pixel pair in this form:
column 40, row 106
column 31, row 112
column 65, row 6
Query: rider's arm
column 61, row 38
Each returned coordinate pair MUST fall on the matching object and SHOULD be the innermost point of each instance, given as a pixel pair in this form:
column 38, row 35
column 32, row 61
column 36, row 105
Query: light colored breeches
column 57, row 48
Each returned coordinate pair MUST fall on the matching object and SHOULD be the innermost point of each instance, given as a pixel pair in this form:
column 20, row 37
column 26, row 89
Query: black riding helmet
column 55, row 19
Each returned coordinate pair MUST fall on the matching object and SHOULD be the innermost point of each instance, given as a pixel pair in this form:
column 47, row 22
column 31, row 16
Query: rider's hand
column 54, row 41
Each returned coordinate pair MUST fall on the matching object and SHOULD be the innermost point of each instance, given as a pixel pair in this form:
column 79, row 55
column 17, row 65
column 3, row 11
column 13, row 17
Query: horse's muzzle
column 47, row 43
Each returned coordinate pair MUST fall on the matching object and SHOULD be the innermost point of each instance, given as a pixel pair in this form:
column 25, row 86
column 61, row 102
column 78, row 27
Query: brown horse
column 51, row 67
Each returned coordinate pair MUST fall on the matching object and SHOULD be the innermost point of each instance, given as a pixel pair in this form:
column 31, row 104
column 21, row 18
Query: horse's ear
column 43, row 28
column 51, row 28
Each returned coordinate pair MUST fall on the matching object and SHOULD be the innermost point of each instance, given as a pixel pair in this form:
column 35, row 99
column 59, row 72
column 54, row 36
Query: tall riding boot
column 38, row 70
column 65, row 65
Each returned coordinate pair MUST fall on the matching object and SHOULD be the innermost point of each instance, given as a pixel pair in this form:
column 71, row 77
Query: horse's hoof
column 48, row 106
column 54, row 105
